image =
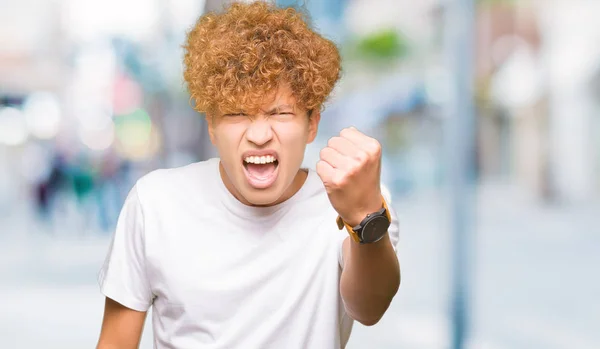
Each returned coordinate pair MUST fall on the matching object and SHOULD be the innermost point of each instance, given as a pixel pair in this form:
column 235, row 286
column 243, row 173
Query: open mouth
column 261, row 171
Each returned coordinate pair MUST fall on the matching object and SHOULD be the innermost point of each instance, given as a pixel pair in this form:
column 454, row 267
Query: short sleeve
column 393, row 230
column 123, row 276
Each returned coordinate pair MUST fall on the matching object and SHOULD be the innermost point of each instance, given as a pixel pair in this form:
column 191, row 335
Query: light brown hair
column 236, row 58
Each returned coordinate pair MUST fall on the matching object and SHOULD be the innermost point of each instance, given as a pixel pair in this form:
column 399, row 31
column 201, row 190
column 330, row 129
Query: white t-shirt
column 221, row 274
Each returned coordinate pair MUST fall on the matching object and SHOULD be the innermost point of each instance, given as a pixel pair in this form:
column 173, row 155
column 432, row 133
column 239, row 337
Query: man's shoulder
column 168, row 181
column 189, row 171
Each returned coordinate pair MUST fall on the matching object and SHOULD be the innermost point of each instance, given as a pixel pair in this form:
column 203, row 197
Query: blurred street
column 534, row 282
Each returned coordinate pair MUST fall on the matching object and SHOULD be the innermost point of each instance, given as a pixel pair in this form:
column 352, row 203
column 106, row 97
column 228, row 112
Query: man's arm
column 350, row 168
column 121, row 327
column 370, row 279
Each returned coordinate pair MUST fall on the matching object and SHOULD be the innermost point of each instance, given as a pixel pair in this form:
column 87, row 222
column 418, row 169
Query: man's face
column 261, row 153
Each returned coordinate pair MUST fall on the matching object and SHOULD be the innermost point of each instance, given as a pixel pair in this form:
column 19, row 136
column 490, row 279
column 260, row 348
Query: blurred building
column 538, row 111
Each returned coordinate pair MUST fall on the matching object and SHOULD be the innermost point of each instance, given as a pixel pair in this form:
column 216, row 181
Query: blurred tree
column 384, row 44
column 377, row 49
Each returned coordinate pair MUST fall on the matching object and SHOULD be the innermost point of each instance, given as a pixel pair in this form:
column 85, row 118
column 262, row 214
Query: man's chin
column 262, row 197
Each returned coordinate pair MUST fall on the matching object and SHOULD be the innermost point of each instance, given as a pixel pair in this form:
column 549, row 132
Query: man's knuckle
column 323, row 153
column 362, row 156
column 333, row 141
column 374, row 147
column 330, row 141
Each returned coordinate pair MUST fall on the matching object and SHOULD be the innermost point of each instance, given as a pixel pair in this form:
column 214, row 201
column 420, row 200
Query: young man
column 249, row 250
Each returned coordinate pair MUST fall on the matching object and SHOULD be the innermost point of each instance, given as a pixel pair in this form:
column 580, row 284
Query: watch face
column 375, row 229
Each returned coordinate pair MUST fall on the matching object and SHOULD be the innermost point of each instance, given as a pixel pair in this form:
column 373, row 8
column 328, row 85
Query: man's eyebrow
column 279, row 108
column 234, row 112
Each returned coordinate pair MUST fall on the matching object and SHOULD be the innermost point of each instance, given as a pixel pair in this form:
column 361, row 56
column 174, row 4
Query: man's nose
column 259, row 132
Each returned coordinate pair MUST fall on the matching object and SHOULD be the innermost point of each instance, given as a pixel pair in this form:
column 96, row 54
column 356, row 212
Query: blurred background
column 489, row 116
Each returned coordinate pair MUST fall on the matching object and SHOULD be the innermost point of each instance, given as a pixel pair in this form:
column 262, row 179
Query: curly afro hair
column 236, row 58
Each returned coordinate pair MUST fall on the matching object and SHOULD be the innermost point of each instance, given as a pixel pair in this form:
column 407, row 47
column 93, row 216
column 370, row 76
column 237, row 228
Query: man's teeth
column 260, row 159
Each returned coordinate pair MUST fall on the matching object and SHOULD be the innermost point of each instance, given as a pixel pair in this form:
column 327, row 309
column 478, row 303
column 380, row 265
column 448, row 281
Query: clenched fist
column 350, row 168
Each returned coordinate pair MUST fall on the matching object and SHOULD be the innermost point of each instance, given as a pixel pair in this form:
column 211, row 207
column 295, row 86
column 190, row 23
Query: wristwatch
column 372, row 228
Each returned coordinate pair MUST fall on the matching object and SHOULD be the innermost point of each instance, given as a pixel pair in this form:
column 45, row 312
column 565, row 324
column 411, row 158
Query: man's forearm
column 370, row 279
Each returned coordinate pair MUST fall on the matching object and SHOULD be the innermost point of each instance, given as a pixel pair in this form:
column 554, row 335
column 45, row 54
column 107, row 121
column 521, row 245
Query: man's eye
column 235, row 114
column 284, row 113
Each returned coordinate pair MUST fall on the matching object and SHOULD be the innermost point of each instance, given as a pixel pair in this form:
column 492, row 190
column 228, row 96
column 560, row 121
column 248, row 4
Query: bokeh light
column 43, row 115
column 98, row 138
column 137, row 138
column 13, row 128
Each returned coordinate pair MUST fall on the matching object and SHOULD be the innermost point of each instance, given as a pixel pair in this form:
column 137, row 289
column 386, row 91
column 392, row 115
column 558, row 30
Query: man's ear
column 211, row 124
column 313, row 124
